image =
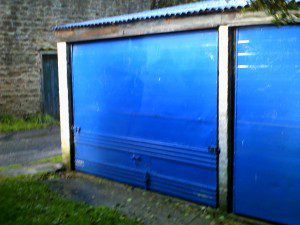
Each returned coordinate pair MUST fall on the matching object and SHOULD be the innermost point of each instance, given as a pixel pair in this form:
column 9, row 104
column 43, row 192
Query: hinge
column 76, row 129
column 214, row 150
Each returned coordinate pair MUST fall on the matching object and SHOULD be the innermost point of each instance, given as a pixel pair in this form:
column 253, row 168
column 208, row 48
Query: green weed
column 10, row 123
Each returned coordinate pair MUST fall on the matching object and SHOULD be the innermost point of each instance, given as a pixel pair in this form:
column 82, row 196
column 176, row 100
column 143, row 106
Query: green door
column 50, row 86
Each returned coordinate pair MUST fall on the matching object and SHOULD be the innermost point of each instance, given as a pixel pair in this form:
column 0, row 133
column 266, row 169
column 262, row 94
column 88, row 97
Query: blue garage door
column 145, row 109
column 267, row 124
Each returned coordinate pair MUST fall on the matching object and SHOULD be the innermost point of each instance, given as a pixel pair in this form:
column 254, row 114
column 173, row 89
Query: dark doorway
column 50, row 85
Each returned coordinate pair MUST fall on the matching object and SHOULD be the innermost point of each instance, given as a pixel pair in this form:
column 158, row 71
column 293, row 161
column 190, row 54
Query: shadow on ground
column 147, row 207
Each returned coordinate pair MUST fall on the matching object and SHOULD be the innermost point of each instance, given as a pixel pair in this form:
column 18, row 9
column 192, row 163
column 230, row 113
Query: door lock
column 136, row 158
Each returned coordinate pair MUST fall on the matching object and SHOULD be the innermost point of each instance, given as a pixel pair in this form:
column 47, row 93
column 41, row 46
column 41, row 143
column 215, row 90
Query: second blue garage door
column 267, row 124
column 145, row 112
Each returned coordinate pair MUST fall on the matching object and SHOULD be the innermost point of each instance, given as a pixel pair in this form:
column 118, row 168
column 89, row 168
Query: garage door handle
column 136, row 158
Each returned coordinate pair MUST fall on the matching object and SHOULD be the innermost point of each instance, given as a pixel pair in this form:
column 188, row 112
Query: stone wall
column 25, row 33
column 166, row 3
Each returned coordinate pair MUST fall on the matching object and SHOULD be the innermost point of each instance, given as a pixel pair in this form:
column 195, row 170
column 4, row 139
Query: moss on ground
column 11, row 166
column 53, row 159
column 27, row 200
column 12, row 123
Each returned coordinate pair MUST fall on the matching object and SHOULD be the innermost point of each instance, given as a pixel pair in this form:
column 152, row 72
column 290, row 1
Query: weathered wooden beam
column 164, row 25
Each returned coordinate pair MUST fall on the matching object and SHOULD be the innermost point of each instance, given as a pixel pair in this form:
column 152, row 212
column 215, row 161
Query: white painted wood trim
column 62, row 56
column 223, row 115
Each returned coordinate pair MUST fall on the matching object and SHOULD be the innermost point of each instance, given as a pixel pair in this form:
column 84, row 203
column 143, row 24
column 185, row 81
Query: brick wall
column 25, row 32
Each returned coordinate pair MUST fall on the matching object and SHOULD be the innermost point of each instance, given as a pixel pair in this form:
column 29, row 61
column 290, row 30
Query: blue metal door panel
column 147, row 111
column 267, row 123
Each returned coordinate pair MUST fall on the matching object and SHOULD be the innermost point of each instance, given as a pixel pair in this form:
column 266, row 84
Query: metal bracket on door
column 214, row 150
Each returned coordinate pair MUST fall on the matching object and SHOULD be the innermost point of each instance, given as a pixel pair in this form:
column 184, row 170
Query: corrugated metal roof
column 191, row 8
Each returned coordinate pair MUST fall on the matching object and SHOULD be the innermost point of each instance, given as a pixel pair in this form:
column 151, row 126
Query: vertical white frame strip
column 62, row 55
column 223, row 115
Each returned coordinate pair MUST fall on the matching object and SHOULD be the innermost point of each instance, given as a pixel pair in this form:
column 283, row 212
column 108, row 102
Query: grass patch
column 11, row 166
column 12, row 123
column 27, row 200
column 53, row 159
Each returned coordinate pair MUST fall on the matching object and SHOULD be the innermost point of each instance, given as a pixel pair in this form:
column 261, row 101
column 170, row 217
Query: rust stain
column 169, row 20
column 86, row 33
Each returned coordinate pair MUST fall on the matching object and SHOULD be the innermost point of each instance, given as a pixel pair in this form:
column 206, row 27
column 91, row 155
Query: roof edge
column 178, row 10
